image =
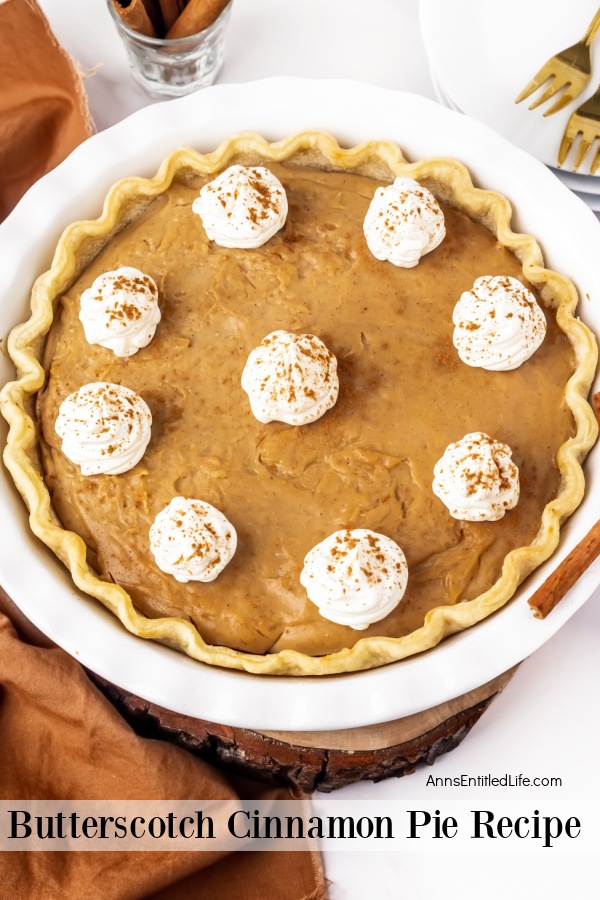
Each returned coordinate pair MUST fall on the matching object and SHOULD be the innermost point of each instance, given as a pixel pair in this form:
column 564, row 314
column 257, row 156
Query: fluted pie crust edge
column 81, row 241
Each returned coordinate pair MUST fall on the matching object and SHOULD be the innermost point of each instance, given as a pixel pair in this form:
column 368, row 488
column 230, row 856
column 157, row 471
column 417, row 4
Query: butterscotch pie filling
column 364, row 466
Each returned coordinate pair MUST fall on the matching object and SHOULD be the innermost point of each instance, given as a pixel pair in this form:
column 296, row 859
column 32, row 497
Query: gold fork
column 570, row 69
column 585, row 121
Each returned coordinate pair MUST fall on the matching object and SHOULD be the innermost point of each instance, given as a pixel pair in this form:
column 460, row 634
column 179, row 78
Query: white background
column 546, row 722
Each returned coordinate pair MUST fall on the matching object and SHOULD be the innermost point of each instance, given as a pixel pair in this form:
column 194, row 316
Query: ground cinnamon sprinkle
column 292, row 377
column 123, row 312
column 375, row 567
column 476, row 478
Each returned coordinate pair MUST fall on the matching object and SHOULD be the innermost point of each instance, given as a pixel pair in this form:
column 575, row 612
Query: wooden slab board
column 320, row 760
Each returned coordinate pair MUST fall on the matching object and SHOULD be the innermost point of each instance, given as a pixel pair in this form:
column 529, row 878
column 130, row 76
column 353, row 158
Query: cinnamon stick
column 153, row 9
column 135, row 16
column 197, row 16
column 171, row 10
column 566, row 574
column 579, row 559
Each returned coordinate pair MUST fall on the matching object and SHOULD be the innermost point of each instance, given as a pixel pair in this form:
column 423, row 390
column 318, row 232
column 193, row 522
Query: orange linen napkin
column 43, row 109
column 61, row 739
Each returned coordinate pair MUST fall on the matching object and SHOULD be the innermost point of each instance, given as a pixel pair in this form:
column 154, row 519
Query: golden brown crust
column 81, row 241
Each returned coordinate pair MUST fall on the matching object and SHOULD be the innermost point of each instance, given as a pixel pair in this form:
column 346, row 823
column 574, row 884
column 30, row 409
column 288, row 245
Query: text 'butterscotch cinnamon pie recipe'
column 308, row 410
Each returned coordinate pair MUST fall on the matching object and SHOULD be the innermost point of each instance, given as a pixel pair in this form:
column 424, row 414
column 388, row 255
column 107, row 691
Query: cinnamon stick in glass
column 135, row 15
column 170, row 10
column 153, row 9
column 197, row 15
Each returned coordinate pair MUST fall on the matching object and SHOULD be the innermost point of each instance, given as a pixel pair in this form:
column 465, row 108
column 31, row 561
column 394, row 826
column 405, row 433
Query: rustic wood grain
column 310, row 761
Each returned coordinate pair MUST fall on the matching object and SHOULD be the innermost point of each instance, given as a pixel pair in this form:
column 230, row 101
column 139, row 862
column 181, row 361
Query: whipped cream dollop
column 191, row 540
column 243, row 207
column 498, row 324
column 120, row 311
column 290, row 378
column 355, row 577
column 477, row 479
column 403, row 223
column 105, row 428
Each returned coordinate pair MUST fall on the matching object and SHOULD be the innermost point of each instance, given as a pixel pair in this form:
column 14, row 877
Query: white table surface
column 546, row 721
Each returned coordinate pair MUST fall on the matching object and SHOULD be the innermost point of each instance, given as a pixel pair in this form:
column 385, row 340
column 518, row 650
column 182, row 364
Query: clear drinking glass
column 172, row 68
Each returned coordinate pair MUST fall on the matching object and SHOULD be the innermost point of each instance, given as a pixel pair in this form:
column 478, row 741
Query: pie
column 365, row 464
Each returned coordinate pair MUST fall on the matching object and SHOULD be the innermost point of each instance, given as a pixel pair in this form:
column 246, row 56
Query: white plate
column 591, row 200
column 484, row 53
column 440, row 93
column 587, row 187
column 278, row 107
column 585, row 184
column 576, row 183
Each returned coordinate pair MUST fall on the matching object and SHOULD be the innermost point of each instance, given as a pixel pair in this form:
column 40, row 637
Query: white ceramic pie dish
column 569, row 234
